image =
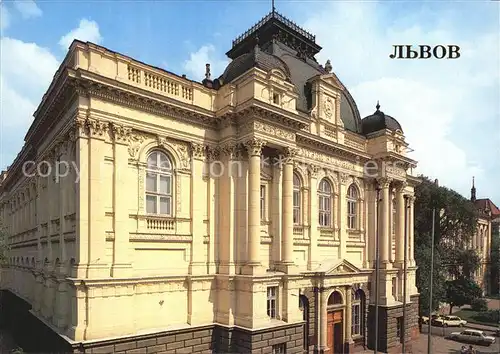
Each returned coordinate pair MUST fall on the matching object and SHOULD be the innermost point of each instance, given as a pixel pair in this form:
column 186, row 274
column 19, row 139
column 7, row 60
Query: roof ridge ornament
column 378, row 106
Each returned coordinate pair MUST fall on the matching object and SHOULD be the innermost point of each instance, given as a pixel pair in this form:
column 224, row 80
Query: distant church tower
column 473, row 191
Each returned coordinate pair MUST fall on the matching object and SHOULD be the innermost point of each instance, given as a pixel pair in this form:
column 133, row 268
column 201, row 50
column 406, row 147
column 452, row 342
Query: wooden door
column 334, row 332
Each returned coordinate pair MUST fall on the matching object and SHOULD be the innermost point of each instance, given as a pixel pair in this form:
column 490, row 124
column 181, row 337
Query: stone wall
column 238, row 340
column 388, row 341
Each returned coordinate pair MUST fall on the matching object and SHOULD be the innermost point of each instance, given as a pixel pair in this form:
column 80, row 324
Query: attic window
column 276, row 98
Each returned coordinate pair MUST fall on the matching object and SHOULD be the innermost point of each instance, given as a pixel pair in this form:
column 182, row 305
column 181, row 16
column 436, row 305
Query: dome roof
column 379, row 121
column 255, row 59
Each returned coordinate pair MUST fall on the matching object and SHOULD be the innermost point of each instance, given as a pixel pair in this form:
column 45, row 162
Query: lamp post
column 405, row 260
column 429, row 337
column 377, row 267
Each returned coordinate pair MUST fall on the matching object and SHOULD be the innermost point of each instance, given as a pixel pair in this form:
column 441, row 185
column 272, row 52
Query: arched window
column 159, row 183
column 352, row 204
column 325, row 203
column 296, row 200
column 358, row 313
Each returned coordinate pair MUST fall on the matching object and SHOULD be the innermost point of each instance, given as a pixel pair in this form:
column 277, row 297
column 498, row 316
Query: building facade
column 150, row 212
column 487, row 229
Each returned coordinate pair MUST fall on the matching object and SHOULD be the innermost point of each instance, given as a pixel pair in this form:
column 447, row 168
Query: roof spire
column 473, row 190
column 273, row 8
column 377, row 106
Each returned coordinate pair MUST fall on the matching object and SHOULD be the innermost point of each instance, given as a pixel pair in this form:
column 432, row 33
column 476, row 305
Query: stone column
column 254, row 147
column 323, row 320
column 198, row 263
column 277, row 205
column 411, row 231
column 313, row 218
column 287, row 213
column 121, row 262
column 384, row 227
column 400, row 224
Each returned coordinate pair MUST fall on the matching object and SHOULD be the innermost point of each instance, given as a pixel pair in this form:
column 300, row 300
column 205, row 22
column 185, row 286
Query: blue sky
column 449, row 109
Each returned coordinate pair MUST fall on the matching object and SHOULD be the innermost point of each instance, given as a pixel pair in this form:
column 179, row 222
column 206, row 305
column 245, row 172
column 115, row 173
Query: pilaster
column 198, row 263
column 81, row 138
column 121, row 266
column 348, row 316
column 313, row 218
column 277, row 203
column 227, row 195
column 96, row 267
column 411, row 230
column 323, row 330
column 342, row 213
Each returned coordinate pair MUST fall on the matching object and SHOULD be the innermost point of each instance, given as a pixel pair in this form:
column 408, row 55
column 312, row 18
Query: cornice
column 324, row 145
column 95, row 85
column 263, row 111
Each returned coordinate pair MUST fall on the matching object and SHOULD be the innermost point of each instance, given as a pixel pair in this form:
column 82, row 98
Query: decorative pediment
column 338, row 267
column 333, row 80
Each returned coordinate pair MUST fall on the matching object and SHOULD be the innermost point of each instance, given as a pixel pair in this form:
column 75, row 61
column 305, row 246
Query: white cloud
column 437, row 102
column 4, row 16
column 27, row 8
column 195, row 65
column 27, row 70
column 87, row 31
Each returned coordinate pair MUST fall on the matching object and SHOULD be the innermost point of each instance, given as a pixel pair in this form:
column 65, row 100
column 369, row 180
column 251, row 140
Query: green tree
column 455, row 223
column 461, row 292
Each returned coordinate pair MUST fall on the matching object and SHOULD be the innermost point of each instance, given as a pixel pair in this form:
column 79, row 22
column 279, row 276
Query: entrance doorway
column 335, row 331
column 335, row 323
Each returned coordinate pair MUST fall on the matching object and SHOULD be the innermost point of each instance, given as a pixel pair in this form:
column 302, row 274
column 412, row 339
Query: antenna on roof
column 273, row 6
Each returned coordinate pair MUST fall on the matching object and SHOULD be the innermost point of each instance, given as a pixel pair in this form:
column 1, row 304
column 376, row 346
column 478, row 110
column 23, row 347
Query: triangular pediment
column 333, row 80
column 338, row 267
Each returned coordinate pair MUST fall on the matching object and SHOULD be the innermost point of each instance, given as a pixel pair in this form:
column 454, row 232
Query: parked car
column 449, row 321
column 425, row 319
column 473, row 336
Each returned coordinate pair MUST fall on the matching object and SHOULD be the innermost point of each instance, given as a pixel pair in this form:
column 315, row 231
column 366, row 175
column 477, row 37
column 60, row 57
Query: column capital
column 343, row 177
column 400, row 186
column 231, row 150
column 96, row 128
column 411, row 198
column 384, row 182
column 254, row 146
column 213, row 153
column 288, row 154
column 197, row 151
column 313, row 170
column 120, row 134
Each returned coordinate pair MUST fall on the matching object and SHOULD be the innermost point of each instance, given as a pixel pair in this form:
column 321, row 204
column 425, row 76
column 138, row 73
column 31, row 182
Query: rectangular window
column 263, row 202
column 279, row 348
column 324, row 211
column 272, row 293
column 351, row 213
column 296, row 207
column 356, row 320
column 151, row 205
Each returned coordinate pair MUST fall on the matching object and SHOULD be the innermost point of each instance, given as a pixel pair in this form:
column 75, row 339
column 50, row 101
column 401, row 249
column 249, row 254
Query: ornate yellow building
column 488, row 214
column 150, row 212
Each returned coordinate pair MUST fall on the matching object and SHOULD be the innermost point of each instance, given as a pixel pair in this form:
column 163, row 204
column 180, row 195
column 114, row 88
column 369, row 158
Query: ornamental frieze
column 330, row 160
column 273, row 131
